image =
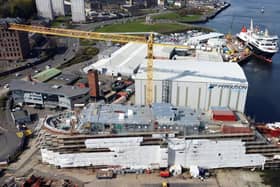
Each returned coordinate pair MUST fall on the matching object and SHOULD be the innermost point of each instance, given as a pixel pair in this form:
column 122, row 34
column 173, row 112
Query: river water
column 263, row 101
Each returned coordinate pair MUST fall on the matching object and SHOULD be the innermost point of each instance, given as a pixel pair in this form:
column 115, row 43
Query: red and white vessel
column 262, row 44
column 270, row 129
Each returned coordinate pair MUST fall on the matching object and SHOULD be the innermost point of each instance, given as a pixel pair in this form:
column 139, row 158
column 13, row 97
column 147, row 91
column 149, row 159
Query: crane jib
column 113, row 37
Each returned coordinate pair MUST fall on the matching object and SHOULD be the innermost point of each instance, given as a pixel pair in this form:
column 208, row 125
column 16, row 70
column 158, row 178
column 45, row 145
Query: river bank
column 191, row 15
column 263, row 79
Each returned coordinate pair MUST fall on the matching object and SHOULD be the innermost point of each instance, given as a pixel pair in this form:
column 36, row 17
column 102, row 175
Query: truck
column 164, row 174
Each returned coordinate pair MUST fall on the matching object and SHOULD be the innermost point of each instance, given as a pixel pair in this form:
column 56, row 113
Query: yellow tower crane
column 103, row 37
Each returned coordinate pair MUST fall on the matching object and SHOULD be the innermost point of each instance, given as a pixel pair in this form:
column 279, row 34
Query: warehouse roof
column 195, row 72
column 64, row 78
column 128, row 58
column 205, row 37
column 68, row 91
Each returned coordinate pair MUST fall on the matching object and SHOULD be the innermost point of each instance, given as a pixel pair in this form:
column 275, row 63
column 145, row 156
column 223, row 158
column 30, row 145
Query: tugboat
column 263, row 45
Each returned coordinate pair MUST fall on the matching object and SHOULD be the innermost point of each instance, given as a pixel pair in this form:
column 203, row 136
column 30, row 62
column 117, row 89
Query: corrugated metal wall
column 58, row 7
column 78, row 10
column 196, row 95
column 44, row 8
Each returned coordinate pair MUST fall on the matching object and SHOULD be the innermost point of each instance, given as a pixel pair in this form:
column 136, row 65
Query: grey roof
column 109, row 114
column 64, row 78
column 167, row 114
column 20, row 114
column 10, row 20
column 163, row 113
column 68, row 91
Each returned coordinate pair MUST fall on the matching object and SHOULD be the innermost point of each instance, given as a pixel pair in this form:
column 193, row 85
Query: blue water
column 263, row 101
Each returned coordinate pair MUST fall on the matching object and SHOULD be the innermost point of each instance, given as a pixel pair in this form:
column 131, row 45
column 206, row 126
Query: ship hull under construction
column 158, row 142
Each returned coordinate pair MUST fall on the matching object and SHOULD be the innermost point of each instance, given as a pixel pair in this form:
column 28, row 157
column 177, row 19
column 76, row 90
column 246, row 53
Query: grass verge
column 140, row 26
column 85, row 42
column 179, row 18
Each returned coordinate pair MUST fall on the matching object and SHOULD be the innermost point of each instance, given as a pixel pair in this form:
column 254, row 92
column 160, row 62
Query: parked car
column 6, row 86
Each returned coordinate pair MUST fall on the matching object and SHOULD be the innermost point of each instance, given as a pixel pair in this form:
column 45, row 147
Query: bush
column 83, row 55
column 91, row 51
column 17, row 8
column 190, row 11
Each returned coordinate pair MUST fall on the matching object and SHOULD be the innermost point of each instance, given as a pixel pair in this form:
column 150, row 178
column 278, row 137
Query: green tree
column 17, row 8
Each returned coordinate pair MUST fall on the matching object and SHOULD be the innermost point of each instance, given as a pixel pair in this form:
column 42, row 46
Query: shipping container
column 229, row 129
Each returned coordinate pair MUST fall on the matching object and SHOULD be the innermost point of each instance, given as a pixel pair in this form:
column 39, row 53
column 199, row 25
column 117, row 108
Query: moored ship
column 262, row 44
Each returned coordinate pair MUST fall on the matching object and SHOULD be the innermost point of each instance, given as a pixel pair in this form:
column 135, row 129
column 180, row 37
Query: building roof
column 212, row 72
column 117, row 114
column 20, row 114
column 68, row 91
column 65, row 79
column 47, row 74
column 128, row 58
column 205, row 37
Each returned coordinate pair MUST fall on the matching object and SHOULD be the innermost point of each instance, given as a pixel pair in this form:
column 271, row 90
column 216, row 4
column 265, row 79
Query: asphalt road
column 8, row 143
column 8, row 139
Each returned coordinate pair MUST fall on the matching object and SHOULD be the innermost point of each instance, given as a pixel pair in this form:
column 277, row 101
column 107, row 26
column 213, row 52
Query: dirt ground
column 239, row 178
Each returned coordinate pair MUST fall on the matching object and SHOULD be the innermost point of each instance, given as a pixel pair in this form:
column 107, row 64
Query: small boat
column 262, row 10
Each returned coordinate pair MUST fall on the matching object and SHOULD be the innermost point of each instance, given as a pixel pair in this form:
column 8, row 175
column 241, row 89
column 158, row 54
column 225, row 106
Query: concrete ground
column 152, row 180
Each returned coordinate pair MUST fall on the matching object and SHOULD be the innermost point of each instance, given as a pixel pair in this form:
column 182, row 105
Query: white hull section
column 127, row 152
column 212, row 154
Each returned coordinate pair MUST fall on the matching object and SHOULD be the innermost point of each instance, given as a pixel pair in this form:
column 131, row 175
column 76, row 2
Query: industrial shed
column 198, row 85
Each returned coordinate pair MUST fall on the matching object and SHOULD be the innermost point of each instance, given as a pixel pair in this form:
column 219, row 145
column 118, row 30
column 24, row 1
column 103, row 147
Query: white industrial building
column 198, row 85
column 58, row 7
column 161, row 3
column 180, row 3
column 78, row 10
column 129, row 57
column 45, row 9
